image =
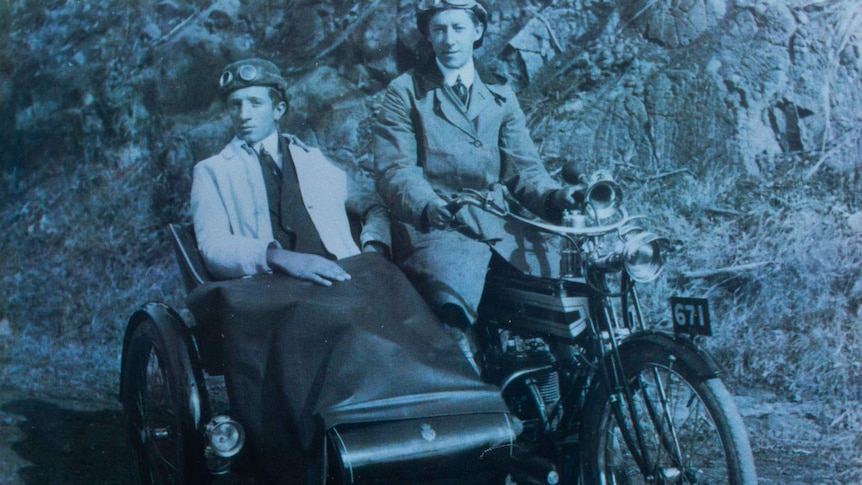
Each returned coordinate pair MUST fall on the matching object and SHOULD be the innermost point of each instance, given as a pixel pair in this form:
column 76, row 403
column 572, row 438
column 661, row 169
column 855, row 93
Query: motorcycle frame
column 615, row 318
column 600, row 363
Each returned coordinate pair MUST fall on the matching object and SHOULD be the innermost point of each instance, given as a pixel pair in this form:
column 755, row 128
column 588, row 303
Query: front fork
column 620, row 392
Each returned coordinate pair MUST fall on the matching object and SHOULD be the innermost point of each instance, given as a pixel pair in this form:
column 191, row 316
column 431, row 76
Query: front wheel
column 159, row 397
column 684, row 428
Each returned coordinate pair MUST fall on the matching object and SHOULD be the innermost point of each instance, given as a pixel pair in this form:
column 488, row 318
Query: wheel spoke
column 658, row 398
column 152, row 416
column 691, row 430
column 681, row 438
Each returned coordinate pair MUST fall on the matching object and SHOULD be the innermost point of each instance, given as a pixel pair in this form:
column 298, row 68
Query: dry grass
column 780, row 259
column 82, row 248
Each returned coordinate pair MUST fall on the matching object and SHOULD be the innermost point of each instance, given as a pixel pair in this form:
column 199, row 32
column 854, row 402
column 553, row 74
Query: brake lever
column 480, row 199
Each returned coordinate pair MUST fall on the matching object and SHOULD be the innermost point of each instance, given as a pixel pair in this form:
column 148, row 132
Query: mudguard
column 701, row 361
column 178, row 340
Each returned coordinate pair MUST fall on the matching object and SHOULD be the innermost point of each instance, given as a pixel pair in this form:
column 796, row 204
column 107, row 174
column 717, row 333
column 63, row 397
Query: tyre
column 161, row 406
column 700, row 439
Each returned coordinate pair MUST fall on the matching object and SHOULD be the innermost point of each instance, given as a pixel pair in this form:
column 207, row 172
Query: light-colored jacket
column 427, row 147
column 231, row 212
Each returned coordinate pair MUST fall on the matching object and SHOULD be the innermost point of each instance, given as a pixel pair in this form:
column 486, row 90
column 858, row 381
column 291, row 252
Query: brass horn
column 603, row 197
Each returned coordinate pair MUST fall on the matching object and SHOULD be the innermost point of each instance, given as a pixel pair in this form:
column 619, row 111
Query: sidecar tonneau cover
column 300, row 357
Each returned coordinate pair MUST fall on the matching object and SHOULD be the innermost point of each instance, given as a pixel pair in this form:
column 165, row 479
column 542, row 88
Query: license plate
column 690, row 316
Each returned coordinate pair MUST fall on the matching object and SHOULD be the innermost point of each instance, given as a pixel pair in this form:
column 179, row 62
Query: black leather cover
column 301, row 359
column 421, row 450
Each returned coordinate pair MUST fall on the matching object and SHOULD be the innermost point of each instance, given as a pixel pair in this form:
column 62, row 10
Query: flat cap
column 251, row 72
column 425, row 9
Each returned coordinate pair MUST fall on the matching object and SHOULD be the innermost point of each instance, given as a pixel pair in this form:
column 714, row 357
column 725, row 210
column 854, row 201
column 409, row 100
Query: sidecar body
column 316, row 391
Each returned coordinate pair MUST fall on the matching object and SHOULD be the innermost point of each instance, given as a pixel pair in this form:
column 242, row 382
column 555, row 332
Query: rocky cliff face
column 701, row 84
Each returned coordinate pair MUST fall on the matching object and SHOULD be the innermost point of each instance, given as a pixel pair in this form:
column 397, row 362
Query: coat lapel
column 452, row 111
column 301, row 163
column 428, row 81
column 481, row 99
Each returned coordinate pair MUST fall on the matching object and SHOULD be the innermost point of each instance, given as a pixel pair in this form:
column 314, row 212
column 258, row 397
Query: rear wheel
column 161, row 407
column 690, row 431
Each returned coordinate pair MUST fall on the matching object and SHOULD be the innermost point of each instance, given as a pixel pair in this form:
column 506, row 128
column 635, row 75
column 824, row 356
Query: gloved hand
column 569, row 197
column 437, row 215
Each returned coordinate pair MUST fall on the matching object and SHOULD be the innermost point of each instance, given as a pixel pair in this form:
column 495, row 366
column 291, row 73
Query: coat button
column 477, row 143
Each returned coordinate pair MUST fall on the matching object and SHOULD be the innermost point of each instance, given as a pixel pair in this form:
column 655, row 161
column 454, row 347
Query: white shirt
column 467, row 73
column 270, row 143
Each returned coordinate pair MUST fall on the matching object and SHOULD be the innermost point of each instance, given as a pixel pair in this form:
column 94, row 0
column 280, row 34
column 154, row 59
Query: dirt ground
column 56, row 440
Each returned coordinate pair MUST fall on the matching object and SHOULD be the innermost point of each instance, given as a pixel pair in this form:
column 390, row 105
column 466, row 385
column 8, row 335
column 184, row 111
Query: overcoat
column 231, row 212
column 428, row 146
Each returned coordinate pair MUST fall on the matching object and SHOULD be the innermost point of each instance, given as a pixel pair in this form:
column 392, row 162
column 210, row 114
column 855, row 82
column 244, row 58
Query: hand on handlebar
column 569, row 197
column 439, row 215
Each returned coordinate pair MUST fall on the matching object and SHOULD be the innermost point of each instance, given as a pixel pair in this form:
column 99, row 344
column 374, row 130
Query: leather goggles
column 425, row 9
column 251, row 72
column 424, row 5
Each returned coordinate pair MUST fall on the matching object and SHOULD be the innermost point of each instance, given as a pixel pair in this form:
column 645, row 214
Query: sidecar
column 359, row 401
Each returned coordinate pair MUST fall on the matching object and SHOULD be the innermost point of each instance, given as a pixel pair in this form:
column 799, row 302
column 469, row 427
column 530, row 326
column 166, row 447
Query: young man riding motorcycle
column 447, row 125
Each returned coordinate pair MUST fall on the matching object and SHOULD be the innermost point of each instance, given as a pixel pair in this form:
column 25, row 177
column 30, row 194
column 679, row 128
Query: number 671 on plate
column 690, row 316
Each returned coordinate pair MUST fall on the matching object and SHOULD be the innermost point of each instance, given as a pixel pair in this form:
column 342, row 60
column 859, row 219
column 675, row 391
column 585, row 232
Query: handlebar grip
column 454, row 206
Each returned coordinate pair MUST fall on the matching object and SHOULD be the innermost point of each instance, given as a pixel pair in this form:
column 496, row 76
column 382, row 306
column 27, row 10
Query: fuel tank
column 534, row 305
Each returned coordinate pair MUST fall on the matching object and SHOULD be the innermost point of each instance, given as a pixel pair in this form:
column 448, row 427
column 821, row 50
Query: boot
column 466, row 341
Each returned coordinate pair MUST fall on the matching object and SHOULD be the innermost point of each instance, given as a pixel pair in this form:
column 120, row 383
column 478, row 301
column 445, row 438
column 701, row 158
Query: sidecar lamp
column 225, row 437
column 642, row 255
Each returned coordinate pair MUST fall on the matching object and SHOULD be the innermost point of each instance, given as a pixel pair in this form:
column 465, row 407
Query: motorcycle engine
column 522, row 354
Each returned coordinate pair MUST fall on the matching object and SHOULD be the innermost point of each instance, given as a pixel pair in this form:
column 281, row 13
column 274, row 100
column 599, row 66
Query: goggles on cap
column 251, row 72
column 426, row 8
column 246, row 73
column 441, row 4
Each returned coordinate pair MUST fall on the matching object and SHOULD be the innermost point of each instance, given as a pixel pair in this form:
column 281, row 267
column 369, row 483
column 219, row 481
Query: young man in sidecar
column 334, row 365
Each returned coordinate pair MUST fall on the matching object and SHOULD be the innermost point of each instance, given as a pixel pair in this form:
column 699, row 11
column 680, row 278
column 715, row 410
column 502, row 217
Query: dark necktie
column 269, row 163
column 272, row 180
column 461, row 91
column 294, row 213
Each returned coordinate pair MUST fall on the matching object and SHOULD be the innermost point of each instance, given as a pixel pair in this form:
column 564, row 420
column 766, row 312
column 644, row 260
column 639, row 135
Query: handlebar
column 497, row 207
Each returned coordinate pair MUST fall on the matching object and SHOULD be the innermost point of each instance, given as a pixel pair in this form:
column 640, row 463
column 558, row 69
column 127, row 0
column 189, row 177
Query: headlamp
column 642, row 256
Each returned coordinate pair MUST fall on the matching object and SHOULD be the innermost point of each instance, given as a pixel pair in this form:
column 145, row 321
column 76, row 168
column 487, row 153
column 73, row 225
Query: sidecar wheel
column 700, row 440
column 155, row 398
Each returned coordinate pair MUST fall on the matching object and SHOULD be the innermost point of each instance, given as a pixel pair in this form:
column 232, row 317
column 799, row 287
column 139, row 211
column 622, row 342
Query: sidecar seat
column 189, row 258
column 168, row 409
column 195, row 274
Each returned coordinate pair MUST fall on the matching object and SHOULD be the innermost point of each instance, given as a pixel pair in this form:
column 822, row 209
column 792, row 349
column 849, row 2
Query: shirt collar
column 270, row 143
column 467, row 73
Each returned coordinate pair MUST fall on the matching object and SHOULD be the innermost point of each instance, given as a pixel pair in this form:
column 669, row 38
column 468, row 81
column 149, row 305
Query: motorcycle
column 604, row 398
column 584, row 390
